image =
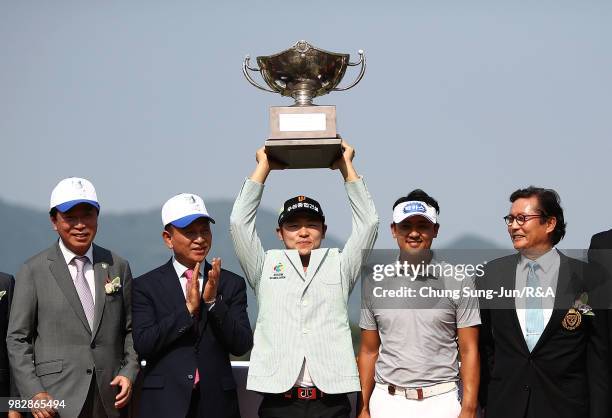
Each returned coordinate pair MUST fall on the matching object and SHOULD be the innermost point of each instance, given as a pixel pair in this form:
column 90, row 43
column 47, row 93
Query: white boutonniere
column 104, row 265
column 112, row 286
column 581, row 305
column 2, row 293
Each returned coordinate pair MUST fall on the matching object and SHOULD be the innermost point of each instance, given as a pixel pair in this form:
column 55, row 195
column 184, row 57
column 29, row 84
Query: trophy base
column 302, row 122
column 304, row 153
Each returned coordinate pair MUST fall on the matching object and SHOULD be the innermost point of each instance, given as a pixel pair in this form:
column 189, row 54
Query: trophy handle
column 245, row 67
column 362, row 61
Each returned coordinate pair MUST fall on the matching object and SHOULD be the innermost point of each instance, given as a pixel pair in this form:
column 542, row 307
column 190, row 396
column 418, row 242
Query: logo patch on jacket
column 278, row 272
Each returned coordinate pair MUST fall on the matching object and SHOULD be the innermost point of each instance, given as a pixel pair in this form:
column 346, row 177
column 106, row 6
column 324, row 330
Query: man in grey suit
column 69, row 337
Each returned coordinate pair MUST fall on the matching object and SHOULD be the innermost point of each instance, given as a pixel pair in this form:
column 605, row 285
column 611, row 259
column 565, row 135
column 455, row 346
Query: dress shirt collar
column 181, row 269
column 69, row 255
column 546, row 261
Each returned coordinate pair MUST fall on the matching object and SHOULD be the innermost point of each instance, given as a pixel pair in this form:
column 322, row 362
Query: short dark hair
column 418, row 194
column 549, row 204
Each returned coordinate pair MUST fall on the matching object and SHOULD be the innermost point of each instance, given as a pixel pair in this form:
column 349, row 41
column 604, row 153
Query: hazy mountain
column 472, row 242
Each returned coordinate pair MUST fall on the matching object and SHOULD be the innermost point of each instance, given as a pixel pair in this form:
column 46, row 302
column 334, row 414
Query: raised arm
column 247, row 244
column 364, row 218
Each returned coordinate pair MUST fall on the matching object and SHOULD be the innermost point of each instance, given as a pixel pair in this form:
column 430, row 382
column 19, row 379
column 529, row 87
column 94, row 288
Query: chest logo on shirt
column 278, row 272
column 572, row 320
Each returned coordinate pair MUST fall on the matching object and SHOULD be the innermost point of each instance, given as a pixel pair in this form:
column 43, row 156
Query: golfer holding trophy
column 302, row 360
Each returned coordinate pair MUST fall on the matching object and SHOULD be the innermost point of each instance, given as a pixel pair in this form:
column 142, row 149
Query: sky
column 467, row 100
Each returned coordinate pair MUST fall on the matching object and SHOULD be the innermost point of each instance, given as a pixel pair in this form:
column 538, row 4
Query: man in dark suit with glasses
column 544, row 354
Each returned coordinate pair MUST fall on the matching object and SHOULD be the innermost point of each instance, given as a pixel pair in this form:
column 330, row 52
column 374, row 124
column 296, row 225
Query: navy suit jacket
column 600, row 254
column 173, row 344
column 7, row 284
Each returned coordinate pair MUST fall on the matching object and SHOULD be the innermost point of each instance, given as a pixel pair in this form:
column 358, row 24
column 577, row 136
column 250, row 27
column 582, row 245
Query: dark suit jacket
column 565, row 376
column 600, row 254
column 51, row 345
column 7, row 283
column 173, row 344
column 602, row 240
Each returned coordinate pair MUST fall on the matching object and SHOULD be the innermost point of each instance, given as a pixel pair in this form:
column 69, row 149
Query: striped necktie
column 82, row 288
column 189, row 276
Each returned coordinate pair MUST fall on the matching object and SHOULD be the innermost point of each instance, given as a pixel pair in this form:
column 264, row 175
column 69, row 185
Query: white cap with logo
column 72, row 191
column 413, row 208
column 183, row 209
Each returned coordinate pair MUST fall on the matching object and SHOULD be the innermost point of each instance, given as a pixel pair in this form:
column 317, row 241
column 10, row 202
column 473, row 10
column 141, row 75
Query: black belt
column 306, row 394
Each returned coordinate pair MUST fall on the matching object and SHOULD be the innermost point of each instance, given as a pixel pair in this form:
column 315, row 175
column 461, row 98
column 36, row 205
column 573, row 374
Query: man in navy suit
column 7, row 384
column 185, row 323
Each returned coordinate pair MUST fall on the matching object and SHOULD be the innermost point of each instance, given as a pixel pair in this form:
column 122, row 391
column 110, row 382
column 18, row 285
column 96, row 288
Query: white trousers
column 383, row 405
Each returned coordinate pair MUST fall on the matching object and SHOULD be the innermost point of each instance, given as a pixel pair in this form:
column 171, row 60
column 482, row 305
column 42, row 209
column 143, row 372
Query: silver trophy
column 303, row 135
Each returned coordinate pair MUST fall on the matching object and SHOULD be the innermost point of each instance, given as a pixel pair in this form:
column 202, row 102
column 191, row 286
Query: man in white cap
column 186, row 324
column 408, row 358
column 70, row 329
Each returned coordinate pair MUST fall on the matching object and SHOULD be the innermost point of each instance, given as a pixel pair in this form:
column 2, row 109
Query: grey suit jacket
column 51, row 346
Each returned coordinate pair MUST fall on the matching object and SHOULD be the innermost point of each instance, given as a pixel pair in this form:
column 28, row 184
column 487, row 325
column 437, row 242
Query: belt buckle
column 307, row 393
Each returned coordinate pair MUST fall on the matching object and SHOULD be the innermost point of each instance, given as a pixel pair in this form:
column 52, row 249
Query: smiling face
column 77, row 227
column 533, row 237
column 190, row 244
column 303, row 233
column 414, row 234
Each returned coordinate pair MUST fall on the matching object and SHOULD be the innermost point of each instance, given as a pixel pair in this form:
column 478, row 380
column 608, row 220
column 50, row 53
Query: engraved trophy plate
column 303, row 135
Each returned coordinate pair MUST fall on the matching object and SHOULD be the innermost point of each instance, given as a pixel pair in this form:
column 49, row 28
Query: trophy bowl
column 303, row 135
column 303, row 72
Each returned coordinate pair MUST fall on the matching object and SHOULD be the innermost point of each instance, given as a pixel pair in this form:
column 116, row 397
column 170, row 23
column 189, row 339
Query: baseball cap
column 410, row 208
column 183, row 209
column 300, row 204
column 72, row 191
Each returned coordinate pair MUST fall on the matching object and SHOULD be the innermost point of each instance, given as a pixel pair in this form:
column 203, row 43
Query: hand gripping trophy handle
column 245, row 70
column 362, row 61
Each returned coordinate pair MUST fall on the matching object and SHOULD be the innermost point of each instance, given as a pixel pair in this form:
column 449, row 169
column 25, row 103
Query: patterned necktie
column 82, row 288
column 534, row 316
column 189, row 275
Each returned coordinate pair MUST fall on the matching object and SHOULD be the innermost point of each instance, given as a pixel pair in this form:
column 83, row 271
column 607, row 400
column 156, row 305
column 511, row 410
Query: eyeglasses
column 520, row 219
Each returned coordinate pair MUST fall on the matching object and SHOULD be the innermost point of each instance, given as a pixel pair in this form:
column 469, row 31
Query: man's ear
column 393, row 227
column 436, row 228
column 279, row 233
column 551, row 224
column 167, row 237
column 53, row 220
column 323, row 231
